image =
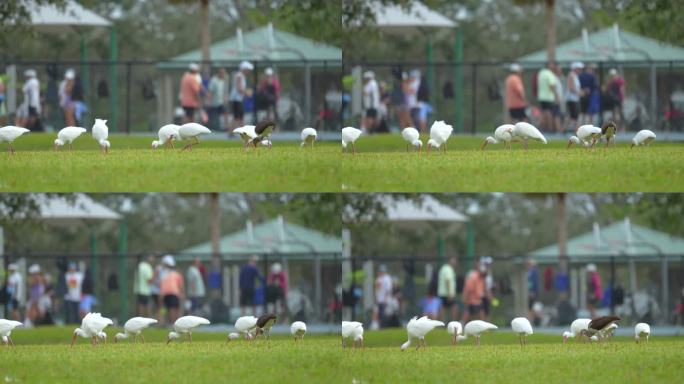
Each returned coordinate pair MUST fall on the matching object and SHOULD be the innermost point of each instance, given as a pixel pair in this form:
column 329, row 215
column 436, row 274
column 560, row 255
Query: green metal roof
column 266, row 239
column 287, row 47
column 602, row 47
column 646, row 244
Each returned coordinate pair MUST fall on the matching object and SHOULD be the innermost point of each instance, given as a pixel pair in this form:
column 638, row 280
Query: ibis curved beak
column 569, row 144
column 168, row 340
column 632, row 146
column 483, row 145
column 73, row 339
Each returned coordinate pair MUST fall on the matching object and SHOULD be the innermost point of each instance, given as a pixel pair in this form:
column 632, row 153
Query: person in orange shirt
column 516, row 103
column 190, row 87
column 171, row 289
column 473, row 292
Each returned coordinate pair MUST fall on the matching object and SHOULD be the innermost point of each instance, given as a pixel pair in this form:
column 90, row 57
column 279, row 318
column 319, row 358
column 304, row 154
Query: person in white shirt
column 16, row 291
column 72, row 299
column 371, row 101
column 30, row 108
column 573, row 92
column 196, row 289
column 383, row 294
column 238, row 93
column 446, row 289
column 144, row 276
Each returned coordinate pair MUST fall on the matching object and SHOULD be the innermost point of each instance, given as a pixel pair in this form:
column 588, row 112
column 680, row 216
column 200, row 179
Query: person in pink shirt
column 516, row 103
column 473, row 292
column 190, row 87
column 276, row 288
column 171, row 289
column 594, row 290
column 615, row 89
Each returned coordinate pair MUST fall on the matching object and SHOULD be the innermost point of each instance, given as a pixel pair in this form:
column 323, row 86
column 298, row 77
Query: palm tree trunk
column 215, row 223
column 204, row 32
column 562, row 234
column 550, row 25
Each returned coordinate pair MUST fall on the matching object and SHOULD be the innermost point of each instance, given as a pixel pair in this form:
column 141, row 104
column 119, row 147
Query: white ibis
column 233, row 336
column 455, row 329
column 439, row 134
column 608, row 131
column 642, row 330
column 68, row 135
column 576, row 328
column 477, row 327
column 101, row 134
column 643, row 137
column 265, row 323
column 523, row 328
column 6, row 327
column 298, row 329
column 247, row 325
column 418, row 328
column 135, row 326
column 11, row 133
column 192, row 131
column 412, row 137
column 526, row 131
column 247, row 134
column 167, row 134
column 352, row 330
column 502, row 134
column 309, row 135
column 92, row 327
column 349, row 136
column 185, row 325
column 598, row 326
column 586, row 135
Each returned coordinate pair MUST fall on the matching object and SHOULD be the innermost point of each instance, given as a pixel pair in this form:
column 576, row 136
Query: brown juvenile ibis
column 600, row 326
column 263, row 130
column 264, row 324
column 608, row 131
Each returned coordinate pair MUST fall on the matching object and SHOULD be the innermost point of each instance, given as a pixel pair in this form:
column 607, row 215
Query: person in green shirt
column 547, row 94
column 144, row 275
column 446, row 289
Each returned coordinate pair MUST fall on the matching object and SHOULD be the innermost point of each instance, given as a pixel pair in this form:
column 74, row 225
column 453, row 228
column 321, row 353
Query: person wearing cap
column 238, row 92
column 172, row 289
column 486, row 263
column 16, row 291
column 190, row 90
column 371, row 101
column 573, row 92
column 196, row 287
column 473, row 292
column 268, row 92
column 547, row 94
column 31, row 104
column 217, row 98
column 72, row 298
column 65, row 101
column 446, row 290
column 615, row 93
column 516, row 102
column 383, row 294
column 594, row 289
column 276, row 289
column 249, row 276
column 411, row 88
column 36, row 291
column 589, row 85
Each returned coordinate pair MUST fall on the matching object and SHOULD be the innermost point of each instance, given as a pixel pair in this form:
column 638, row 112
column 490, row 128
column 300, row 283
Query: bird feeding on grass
column 298, row 329
column 643, row 137
column 233, row 336
column 526, row 131
column 349, row 136
column 264, row 324
column 439, row 134
column 608, row 131
column 352, row 330
column 599, row 326
column 167, row 134
column 67, row 136
column 192, row 131
column 412, row 137
column 263, row 131
column 246, row 133
column 587, row 135
column 135, row 327
column 455, row 329
column 418, row 328
column 185, row 325
column 522, row 327
column 11, row 133
column 247, row 325
column 92, row 327
column 641, row 330
column 576, row 328
column 101, row 134
column 502, row 134
column 6, row 327
column 477, row 327
column 309, row 135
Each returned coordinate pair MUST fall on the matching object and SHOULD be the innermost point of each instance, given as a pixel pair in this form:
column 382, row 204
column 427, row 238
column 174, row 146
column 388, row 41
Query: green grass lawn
column 382, row 164
column 132, row 166
column 43, row 355
column 501, row 359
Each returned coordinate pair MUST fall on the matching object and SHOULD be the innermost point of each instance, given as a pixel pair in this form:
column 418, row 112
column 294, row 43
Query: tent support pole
column 654, row 97
column 123, row 273
column 470, row 243
column 93, row 263
column 113, row 93
column 458, row 57
column 664, row 278
column 319, row 284
column 85, row 76
column 430, row 69
column 307, row 95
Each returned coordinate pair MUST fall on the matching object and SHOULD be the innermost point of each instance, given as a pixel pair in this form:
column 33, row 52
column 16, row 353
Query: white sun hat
column 246, row 65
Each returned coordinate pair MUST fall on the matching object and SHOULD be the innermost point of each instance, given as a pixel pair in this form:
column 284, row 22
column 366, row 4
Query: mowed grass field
column 43, row 355
column 132, row 166
column 382, row 164
column 500, row 359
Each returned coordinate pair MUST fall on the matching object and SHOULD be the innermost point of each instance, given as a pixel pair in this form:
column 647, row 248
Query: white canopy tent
column 50, row 18
column 416, row 15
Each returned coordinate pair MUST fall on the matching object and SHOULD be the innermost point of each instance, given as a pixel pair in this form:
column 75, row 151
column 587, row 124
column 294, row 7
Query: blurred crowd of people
column 406, row 99
column 222, row 102
column 564, row 100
